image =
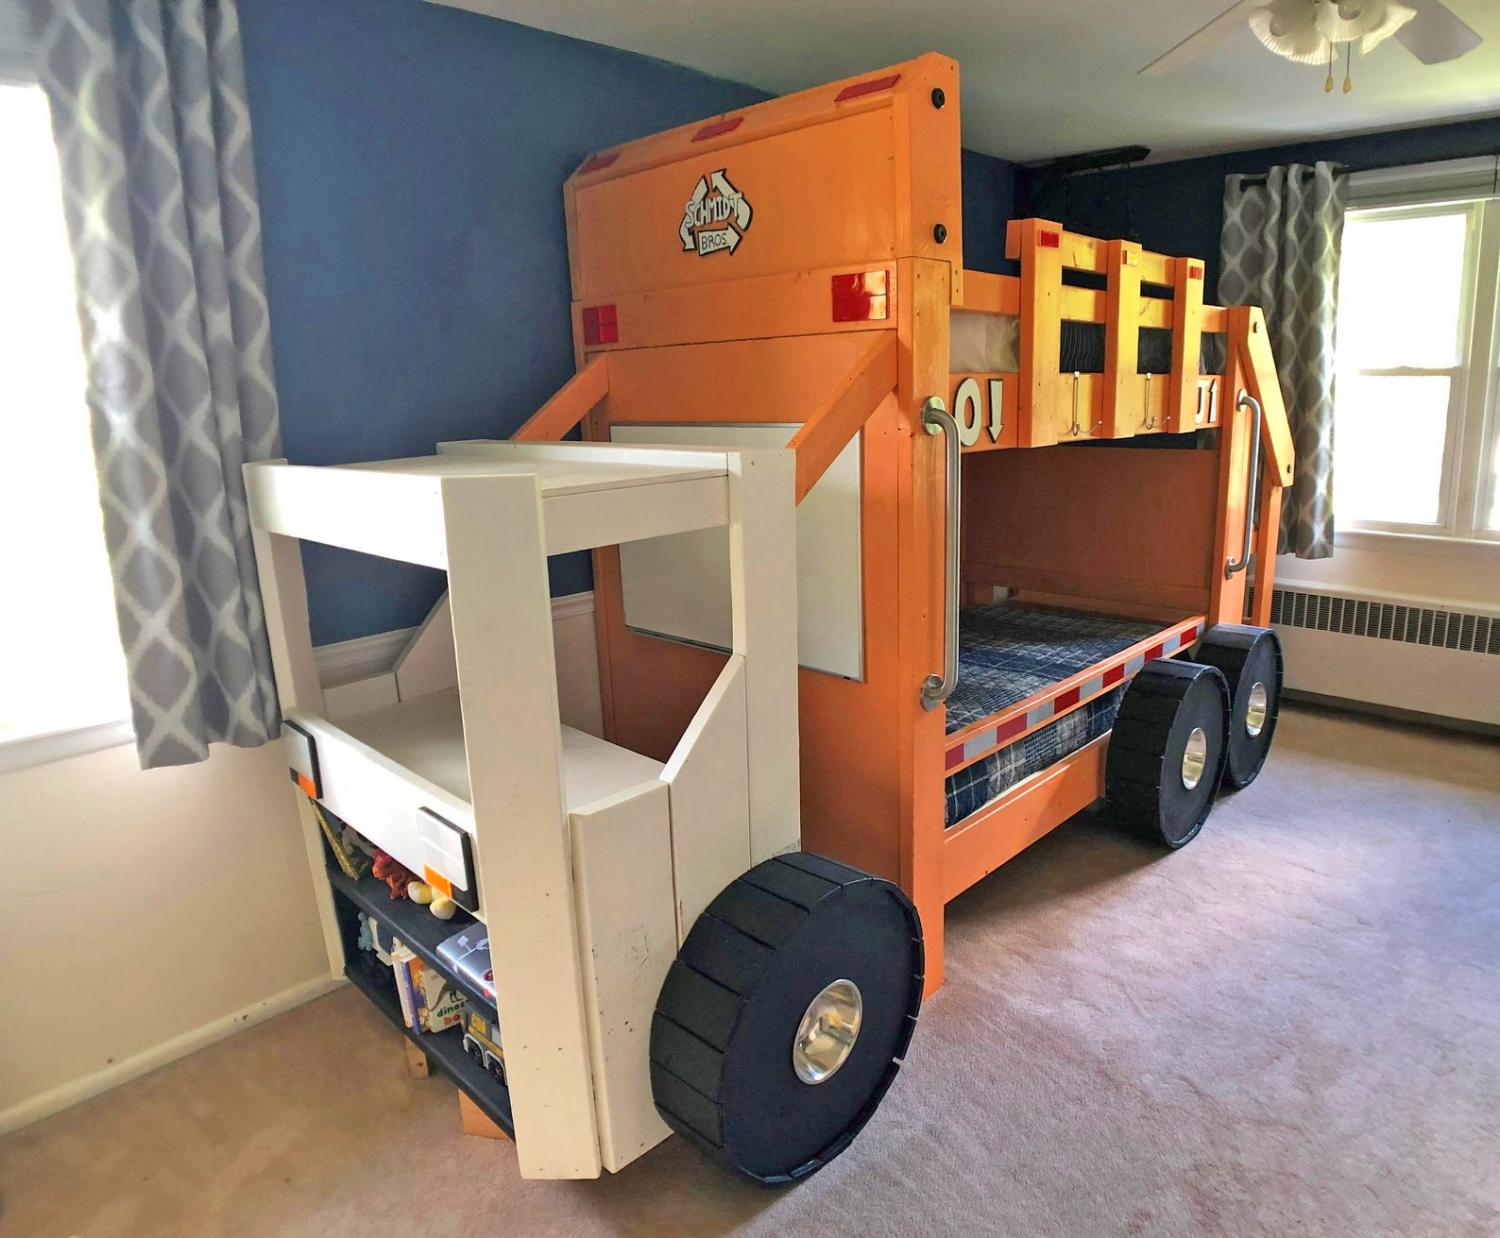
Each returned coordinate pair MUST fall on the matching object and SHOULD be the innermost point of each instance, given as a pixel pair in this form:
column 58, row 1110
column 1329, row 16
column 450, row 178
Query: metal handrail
column 1247, row 400
column 936, row 419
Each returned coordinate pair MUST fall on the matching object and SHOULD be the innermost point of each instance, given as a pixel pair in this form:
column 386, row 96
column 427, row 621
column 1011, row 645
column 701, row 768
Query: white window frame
column 1467, row 484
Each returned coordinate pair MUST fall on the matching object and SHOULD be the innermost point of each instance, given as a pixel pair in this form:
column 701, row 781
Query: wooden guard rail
column 1045, row 250
column 826, row 432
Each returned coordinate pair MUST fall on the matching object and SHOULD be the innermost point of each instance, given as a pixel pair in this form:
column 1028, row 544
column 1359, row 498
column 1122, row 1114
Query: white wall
column 150, row 914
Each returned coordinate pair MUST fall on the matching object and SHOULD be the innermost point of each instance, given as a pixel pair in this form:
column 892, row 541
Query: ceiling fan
column 1313, row 31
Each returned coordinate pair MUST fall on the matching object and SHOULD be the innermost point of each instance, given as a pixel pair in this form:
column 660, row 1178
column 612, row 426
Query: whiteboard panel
column 678, row 586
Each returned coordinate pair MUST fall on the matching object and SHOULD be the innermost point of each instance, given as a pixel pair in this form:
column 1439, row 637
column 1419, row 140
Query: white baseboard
column 35, row 1108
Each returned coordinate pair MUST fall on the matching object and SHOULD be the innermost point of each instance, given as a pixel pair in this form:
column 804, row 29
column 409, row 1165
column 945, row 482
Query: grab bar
column 1247, row 400
column 936, row 419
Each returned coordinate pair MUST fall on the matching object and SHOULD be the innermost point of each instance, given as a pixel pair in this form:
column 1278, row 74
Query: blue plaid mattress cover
column 1006, row 652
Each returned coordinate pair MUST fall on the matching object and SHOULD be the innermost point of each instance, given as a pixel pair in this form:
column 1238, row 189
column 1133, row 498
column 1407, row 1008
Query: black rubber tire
column 1245, row 656
column 721, row 1038
column 1143, row 778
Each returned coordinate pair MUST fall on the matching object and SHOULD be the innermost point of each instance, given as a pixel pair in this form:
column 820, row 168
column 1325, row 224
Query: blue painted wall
column 411, row 159
column 989, row 203
column 1177, row 208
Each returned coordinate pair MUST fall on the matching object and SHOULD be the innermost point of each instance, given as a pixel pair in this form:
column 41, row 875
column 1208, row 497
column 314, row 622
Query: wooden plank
column 976, row 846
column 357, row 696
column 709, row 781
column 1187, row 339
column 1001, row 294
column 426, row 663
column 757, row 307
column 473, row 1120
column 608, row 517
column 1247, row 327
column 1122, row 336
column 573, row 401
column 1041, row 327
column 1227, row 594
column 763, row 608
column 1266, row 536
column 1066, row 583
column 920, row 500
column 990, row 294
column 622, row 878
column 522, row 840
column 828, row 430
column 391, row 514
column 283, row 591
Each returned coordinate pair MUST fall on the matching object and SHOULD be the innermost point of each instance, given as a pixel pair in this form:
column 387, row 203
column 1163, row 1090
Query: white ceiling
column 1045, row 77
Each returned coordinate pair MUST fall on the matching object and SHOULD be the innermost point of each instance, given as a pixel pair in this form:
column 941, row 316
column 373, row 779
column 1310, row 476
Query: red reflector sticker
column 1013, row 727
column 873, row 86
column 598, row 163
column 1194, row 271
column 954, row 757
column 600, row 325
column 1065, row 700
column 1114, row 675
column 1049, row 240
column 718, row 128
column 859, row 296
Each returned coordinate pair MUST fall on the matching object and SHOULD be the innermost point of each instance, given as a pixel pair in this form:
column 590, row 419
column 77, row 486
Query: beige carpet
column 1291, row 1027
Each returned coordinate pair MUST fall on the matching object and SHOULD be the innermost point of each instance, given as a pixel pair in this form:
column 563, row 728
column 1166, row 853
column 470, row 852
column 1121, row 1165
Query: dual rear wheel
column 1185, row 727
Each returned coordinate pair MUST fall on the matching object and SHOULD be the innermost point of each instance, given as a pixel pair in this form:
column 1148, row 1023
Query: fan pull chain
column 1328, row 83
column 1348, row 61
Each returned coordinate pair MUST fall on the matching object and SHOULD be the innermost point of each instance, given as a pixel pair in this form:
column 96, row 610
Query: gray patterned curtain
column 153, row 134
column 1280, row 251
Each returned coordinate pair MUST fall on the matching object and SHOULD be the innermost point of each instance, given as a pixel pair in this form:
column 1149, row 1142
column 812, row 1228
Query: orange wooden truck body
column 801, row 262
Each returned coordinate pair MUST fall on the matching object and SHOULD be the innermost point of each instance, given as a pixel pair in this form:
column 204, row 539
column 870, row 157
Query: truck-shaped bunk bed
column 811, row 436
column 792, row 273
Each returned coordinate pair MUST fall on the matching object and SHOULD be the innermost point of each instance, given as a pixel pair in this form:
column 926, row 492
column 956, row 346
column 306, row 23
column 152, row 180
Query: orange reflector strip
column 874, row 85
column 305, row 785
column 437, row 881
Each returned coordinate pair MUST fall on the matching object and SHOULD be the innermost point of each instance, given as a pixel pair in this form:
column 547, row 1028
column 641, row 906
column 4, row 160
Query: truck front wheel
column 786, row 1014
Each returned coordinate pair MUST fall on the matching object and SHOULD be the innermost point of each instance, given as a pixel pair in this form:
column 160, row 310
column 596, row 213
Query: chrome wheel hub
column 1194, row 758
column 1255, row 708
column 827, row 1033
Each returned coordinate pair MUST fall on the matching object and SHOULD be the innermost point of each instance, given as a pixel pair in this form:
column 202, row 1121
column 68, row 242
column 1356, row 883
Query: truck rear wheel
column 785, row 1016
column 1250, row 660
column 1167, row 750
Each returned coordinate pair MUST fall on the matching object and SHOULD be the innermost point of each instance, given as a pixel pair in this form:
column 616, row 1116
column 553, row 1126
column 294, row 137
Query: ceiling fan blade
column 1201, row 41
column 1437, row 34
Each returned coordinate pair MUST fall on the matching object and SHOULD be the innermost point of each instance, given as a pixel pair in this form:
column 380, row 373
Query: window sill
column 26, row 751
column 1418, row 543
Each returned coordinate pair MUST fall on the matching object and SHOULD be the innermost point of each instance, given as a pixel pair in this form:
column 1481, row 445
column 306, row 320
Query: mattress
column 990, row 343
column 1009, row 651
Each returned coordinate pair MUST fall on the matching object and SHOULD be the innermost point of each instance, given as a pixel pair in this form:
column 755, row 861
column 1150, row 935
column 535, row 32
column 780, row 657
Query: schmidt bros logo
column 716, row 219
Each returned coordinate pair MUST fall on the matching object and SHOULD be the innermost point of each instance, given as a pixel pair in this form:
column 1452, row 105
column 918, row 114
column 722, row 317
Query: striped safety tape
column 992, row 738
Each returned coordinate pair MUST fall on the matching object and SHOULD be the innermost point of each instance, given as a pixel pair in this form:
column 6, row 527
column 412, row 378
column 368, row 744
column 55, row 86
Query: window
column 61, row 668
column 1414, row 423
